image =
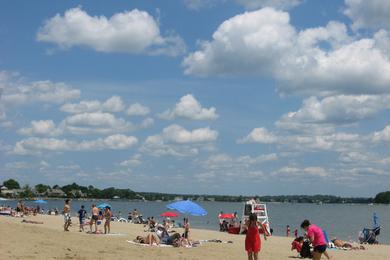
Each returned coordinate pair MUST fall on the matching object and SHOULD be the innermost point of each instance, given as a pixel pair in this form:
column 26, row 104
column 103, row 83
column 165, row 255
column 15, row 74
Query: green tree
column 383, row 197
column 27, row 192
column 41, row 188
column 11, row 184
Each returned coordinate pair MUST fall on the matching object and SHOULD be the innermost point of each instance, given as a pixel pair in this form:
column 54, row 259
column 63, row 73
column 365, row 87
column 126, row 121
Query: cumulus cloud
column 382, row 136
column 137, row 109
column 132, row 32
column 259, row 135
column 96, row 122
column 135, row 160
column 278, row 4
column 178, row 134
column 41, row 127
column 113, row 104
column 18, row 93
column 189, row 107
column 178, row 141
column 336, row 110
column 372, row 14
column 316, row 61
column 34, row 145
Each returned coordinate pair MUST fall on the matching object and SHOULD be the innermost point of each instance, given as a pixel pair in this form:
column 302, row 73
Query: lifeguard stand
column 260, row 209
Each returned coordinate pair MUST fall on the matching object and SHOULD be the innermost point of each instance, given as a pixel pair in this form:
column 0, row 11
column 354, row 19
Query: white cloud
column 239, row 164
column 278, row 4
column 137, row 109
column 335, row 110
column 294, row 172
column 200, row 4
column 316, row 61
column 259, row 135
column 178, row 134
column 35, row 145
column 179, row 142
column 382, row 136
column 190, row 108
column 132, row 32
column 368, row 14
column 113, row 104
column 135, row 160
column 97, row 122
column 17, row 93
column 41, row 127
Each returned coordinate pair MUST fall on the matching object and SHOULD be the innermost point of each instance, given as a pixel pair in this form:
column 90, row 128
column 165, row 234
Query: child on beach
column 252, row 239
column 82, row 214
column 288, row 230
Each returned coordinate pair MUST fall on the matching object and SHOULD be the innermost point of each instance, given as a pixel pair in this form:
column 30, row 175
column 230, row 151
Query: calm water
column 342, row 221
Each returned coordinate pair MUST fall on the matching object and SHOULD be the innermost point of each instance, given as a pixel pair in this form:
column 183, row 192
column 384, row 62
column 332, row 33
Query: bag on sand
column 305, row 251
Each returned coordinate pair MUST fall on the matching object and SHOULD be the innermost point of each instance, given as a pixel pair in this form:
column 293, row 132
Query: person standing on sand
column 288, row 230
column 66, row 215
column 186, row 226
column 317, row 238
column 296, row 233
column 107, row 215
column 94, row 218
column 82, row 214
column 252, row 239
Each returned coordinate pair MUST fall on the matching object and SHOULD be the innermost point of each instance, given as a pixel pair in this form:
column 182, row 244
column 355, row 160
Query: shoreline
column 49, row 241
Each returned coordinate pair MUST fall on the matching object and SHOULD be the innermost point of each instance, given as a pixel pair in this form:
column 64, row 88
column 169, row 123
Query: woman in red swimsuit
column 252, row 239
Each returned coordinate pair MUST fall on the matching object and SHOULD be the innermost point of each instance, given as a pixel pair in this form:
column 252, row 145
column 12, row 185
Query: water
column 343, row 221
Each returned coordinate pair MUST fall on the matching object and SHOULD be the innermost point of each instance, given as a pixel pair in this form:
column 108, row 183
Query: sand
column 48, row 241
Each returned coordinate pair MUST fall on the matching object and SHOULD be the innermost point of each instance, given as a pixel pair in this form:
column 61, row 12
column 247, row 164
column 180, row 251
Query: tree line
column 78, row 191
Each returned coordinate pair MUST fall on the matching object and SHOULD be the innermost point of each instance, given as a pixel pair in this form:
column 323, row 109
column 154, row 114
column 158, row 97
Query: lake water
column 339, row 220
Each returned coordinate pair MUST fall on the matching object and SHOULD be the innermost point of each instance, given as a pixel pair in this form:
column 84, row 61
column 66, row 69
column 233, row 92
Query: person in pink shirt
column 317, row 238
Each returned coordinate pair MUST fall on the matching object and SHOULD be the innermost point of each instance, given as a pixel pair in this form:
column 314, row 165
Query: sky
column 251, row 97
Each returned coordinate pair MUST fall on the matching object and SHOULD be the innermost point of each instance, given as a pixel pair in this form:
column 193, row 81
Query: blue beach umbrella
column 104, row 205
column 40, row 201
column 187, row 207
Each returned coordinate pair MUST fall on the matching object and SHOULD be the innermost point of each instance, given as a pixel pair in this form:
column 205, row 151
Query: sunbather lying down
column 31, row 221
column 150, row 239
column 344, row 244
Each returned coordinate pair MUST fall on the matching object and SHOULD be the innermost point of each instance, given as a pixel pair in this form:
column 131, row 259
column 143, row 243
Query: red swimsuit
column 252, row 239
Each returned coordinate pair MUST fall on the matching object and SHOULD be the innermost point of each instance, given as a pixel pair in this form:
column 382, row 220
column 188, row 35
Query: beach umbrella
column 103, row 206
column 187, row 207
column 40, row 201
column 169, row 214
column 226, row 216
column 375, row 220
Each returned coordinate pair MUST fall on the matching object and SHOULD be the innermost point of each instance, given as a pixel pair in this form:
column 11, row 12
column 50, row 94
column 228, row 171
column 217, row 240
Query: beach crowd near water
column 310, row 242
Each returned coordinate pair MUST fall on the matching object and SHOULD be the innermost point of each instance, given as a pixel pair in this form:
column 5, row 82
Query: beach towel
column 139, row 244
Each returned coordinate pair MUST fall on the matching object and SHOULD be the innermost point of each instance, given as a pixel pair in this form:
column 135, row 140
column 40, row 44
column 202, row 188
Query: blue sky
column 216, row 96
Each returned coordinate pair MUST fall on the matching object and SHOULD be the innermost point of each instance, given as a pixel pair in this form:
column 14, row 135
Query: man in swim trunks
column 94, row 217
column 66, row 215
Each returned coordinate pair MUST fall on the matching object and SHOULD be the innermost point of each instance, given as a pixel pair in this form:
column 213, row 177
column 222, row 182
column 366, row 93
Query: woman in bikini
column 107, row 215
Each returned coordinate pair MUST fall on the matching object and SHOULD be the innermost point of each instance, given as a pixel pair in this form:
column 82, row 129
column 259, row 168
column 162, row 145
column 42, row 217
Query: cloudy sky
column 197, row 96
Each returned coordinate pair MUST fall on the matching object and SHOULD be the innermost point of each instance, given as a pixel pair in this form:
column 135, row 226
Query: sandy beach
column 49, row 241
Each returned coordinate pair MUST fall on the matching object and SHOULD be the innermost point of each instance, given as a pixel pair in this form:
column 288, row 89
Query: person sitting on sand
column 107, row 215
column 344, row 244
column 150, row 240
column 297, row 244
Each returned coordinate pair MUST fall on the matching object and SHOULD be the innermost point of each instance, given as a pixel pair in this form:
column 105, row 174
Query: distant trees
column 382, row 197
column 41, row 188
column 11, row 184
